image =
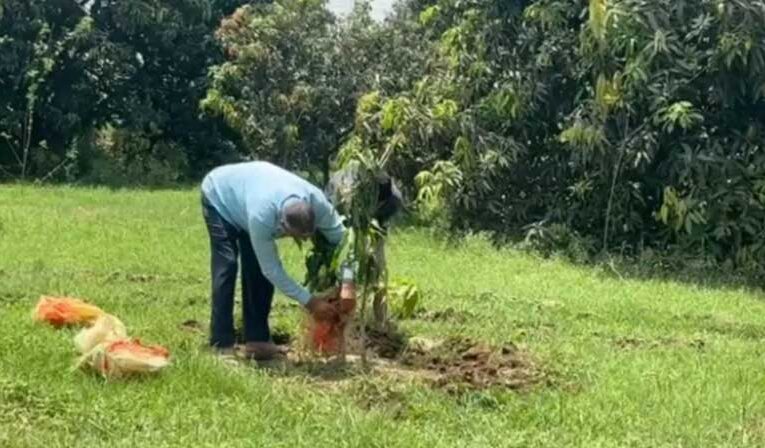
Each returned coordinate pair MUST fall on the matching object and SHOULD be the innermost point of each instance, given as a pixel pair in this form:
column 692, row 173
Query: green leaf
column 445, row 110
column 598, row 9
column 428, row 15
column 393, row 114
column 404, row 296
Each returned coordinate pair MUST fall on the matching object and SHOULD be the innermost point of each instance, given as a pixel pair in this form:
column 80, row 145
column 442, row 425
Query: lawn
column 621, row 362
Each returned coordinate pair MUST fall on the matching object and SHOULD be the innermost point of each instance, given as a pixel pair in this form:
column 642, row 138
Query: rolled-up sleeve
column 264, row 246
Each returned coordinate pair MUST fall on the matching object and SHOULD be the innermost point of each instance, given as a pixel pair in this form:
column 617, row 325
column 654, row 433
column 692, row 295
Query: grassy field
column 627, row 363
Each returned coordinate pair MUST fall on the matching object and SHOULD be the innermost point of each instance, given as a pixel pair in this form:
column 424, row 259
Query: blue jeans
column 227, row 245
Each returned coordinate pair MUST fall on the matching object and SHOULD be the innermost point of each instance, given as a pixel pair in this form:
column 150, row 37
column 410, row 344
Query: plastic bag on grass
column 125, row 357
column 61, row 311
column 107, row 328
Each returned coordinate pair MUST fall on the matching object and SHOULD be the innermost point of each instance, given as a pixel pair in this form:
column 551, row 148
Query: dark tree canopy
column 618, row 125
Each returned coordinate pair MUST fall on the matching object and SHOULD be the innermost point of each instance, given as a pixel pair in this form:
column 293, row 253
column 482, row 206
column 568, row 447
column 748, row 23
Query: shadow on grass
column 677, row 269
column 319, row 369
column 670, row 265
column 382, row 346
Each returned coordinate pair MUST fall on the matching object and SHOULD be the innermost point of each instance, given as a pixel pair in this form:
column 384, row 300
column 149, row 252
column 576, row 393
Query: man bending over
column 247, row 207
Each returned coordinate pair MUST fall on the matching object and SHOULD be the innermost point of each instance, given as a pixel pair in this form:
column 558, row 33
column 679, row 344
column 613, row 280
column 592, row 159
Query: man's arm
column 267, row 254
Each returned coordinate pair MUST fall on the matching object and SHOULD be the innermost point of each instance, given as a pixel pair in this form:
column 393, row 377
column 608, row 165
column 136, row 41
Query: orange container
column 61, row 311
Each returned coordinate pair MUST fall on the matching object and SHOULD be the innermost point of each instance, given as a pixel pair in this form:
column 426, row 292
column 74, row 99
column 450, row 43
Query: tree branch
column 27, row 142
column 12, row 146
column 617, row 169
column 52, row 172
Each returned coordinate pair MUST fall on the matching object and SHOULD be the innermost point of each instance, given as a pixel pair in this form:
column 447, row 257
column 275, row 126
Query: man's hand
column 321, row 309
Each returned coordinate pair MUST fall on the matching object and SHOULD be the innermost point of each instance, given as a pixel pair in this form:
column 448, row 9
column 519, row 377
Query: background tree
column 110, row 81
column 634, row 127
column 584, row 127
column 168, row 47
column 42, row 43
column 294, row 74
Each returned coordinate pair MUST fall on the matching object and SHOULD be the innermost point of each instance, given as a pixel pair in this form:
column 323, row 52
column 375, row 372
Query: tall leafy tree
column 628, row 123
column 139, row 66
column 294, row 74
column 170, row 46
column 42, row 45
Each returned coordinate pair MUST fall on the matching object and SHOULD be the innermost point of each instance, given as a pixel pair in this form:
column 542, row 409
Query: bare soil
column 455, row 364
column 461, row 363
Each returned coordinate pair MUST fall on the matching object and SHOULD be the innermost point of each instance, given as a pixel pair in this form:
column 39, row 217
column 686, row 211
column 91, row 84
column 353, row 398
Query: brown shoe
column 263, row 351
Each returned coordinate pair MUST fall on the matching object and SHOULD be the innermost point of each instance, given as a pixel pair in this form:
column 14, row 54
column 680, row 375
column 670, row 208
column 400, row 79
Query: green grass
column 633, row 363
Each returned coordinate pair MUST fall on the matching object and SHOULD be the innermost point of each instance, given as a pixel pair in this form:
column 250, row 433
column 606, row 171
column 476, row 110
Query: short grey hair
column 298, row 217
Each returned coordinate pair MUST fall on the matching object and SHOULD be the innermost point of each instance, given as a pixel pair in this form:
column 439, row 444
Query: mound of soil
column 460, row 363
column 455, row 364
column 385, row 344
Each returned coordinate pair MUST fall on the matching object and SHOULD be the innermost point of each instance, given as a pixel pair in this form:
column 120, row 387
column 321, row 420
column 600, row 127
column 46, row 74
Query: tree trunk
column 380, row 303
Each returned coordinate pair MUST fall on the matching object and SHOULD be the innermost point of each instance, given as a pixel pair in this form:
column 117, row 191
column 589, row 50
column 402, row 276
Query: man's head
column 297, row 219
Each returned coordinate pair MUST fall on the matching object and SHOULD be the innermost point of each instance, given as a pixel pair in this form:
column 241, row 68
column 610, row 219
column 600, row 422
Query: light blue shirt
column 251, row 196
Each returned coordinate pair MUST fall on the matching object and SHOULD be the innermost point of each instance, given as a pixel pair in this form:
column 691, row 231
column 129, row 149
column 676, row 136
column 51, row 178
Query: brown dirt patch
column 455, row 365
column 461, row 363
column 386, row 344
column 192, row 325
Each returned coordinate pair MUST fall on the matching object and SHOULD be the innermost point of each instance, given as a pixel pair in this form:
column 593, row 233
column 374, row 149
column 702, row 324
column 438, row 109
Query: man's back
column 243, row 191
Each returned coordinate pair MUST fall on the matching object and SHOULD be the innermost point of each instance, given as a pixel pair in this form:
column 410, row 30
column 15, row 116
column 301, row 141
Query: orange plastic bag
column 107, row 328
column 60, row 311
column 126, row 357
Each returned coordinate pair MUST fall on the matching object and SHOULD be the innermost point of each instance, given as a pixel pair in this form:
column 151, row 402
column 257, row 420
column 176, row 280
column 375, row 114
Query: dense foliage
column 594, row 126
column 294, row 75
column 109, row 89
column 633, row 124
